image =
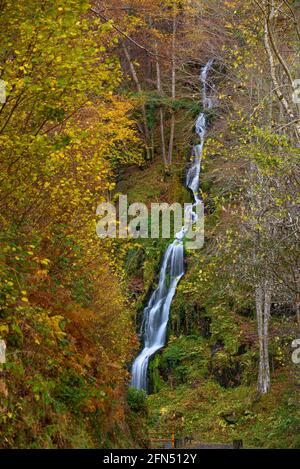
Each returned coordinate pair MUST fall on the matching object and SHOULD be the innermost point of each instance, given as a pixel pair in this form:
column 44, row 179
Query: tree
column 64, row 135
column 159, row 49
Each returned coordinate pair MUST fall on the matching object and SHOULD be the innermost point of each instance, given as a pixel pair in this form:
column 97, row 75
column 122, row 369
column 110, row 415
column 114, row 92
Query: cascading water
column 156, row 314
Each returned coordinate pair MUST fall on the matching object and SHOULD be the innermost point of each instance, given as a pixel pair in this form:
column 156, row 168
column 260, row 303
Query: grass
column 150, row 185
column 212, row 414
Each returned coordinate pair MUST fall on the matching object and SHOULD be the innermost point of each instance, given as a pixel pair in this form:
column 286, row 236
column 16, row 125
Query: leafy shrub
column 137, row 400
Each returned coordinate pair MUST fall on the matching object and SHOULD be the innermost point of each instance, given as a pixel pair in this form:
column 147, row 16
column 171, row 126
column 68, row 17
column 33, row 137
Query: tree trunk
column 263, row 307
column 297, row 306
column 161, row 112
column 173, row 85
column 273, row 54
column 143, row 107
column 298, row 312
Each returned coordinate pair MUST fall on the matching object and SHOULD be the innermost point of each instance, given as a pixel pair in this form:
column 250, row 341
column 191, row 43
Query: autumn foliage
column 63, row 314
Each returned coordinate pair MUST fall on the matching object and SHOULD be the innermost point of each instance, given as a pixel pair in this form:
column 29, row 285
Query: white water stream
column 156, row 313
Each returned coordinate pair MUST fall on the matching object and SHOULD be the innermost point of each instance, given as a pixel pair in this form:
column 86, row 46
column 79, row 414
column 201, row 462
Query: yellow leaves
column 163, row 410
column 7, row 416
column 24, row 296
column 41, row 273
column 45, row 261
column 51, row 325
column 60, row 175
column 4, row 329
column 230, row 4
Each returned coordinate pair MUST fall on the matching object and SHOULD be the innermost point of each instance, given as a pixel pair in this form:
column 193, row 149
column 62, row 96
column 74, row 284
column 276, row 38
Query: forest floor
column 214, row 415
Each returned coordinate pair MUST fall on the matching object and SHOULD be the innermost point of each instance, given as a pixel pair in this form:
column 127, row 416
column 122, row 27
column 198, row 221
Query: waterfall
column 156, row 313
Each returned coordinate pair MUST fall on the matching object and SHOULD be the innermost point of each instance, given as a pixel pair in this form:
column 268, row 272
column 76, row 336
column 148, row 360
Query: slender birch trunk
column 173, row 90
column 143, row 107
column 297, row 305
column 161, row 112
column 274, row 56
column 263, row 309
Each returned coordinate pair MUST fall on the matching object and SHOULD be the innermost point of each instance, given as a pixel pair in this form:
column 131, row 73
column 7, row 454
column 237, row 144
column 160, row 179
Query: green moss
column 213, row 414
column 184, row 360
column 155, row 379
column 137, row 400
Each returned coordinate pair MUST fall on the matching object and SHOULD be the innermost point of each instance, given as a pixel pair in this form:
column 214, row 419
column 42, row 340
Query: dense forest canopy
column 100, row 98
